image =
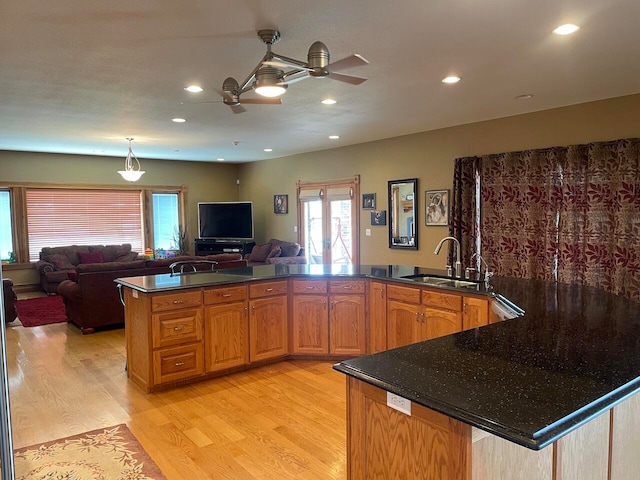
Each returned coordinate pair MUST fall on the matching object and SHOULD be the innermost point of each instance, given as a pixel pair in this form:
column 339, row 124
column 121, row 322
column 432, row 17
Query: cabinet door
column 438, row 323
column 475, row 312
column 346, row 325
column 310, row 324
column 377, row 317
column 226, row 329
column 268, row 328
column 403, row 323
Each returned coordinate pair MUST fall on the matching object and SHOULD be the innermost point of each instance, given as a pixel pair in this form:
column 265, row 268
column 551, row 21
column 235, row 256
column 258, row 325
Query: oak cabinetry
column 328, row 317
column 268, row 320
column 442, row 314
column 377, row 317
column 475, row 312
column 226, row 328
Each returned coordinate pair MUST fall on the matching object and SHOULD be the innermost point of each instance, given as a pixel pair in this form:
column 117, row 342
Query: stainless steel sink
column 442, row 282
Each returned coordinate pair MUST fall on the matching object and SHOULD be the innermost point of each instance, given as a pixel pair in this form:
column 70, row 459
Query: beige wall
column 429, row 157
column 204, row 182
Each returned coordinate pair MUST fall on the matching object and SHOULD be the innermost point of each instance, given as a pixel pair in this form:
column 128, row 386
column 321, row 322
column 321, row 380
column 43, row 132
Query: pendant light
column 131, row 172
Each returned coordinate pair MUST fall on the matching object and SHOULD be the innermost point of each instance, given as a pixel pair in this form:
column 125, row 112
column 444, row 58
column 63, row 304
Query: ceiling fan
column 275, row 72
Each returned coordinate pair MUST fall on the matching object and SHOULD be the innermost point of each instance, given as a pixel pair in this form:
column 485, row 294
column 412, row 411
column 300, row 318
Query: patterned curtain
column 599, row 242
column 464, row 224
column 520, row 198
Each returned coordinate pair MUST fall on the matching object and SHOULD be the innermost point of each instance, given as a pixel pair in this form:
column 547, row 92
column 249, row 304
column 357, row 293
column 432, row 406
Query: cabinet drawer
column 310, row 286
column 346, row 286
column 224, row 295
column 176, row 301
column 404, row 294
column 446, row 301
column 267, row 289
column 175, row 328
column 176, row 363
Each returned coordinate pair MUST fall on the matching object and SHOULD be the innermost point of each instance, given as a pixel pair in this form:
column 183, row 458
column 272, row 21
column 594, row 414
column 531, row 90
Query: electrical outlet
column 367, row 232
column 399, row 403
column 295, row 229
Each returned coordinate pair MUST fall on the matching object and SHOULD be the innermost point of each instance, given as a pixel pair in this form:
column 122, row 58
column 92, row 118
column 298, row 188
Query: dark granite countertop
column 574, row 354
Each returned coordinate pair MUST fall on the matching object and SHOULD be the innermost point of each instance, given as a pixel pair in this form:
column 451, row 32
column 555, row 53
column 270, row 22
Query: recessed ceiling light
column 524, row 96
column 566, row 29
column 334, row 137
column 193, row 88
column 451, row 79
column 221, row 159
column 328, row 101
column 268, row 149
column 178, row 120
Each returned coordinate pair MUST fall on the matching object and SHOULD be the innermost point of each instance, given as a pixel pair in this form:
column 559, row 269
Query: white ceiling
column 79, row 76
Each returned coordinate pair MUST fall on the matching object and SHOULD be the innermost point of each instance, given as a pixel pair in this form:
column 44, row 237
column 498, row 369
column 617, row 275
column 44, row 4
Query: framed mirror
column 403, row 214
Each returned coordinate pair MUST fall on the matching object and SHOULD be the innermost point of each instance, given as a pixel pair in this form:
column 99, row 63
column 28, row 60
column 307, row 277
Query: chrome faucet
column 458, row 263
column 487, row 273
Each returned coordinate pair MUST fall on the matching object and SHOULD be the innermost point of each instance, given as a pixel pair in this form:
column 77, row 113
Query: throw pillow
column 61, row 262
column 259, row 253
column 289, row 249
column 275, row 252
column 91, row 257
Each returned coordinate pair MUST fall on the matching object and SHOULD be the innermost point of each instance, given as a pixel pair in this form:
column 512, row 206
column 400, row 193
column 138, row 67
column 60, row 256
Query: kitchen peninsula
column 562, row 379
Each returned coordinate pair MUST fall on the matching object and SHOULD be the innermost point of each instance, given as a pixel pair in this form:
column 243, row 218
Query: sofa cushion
column 110, row 266
column 289, row 249
column 222, row 257
column 110, row 253
column 91, row 257
column 71, row 252
column 61, row 262
column 127, row 257
column 259, row 253
column 165, row 262
column 275, row 252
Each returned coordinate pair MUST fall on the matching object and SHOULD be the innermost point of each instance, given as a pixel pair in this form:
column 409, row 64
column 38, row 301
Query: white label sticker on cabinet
column 134, row 293
column 399, row 403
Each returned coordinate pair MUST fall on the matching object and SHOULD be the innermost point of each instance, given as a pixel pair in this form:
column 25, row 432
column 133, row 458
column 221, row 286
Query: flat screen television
column 225, row 220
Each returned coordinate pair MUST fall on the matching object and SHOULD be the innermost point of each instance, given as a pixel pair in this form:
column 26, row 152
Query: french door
column 328, row 219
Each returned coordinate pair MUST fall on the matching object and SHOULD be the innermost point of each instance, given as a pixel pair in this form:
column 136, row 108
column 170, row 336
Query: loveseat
column 57, row 264
column 276, row 251
column 92, row 299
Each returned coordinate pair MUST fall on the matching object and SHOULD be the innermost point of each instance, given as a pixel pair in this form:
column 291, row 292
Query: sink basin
column 443, row 282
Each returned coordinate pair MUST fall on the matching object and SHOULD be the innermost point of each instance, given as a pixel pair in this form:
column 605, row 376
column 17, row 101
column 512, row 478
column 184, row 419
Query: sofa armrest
column 70, row 290
column 43, row 267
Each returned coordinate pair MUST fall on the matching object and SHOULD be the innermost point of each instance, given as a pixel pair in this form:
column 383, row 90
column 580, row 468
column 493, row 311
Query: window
column 6, row 226
column 165, row 221
column 58, row 217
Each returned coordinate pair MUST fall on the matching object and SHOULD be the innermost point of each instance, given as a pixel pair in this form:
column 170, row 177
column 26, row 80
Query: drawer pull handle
column 268, row 290
column 177, row 329
column 226, row 295
column 177, row 302
column 347, row 287
column 309, row 287
column 179, row 364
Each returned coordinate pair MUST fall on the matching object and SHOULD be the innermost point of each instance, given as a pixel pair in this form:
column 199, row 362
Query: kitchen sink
column 442, row 282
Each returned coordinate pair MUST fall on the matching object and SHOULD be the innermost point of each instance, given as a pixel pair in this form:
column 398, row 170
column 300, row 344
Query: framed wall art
column 281, row 204
column 436, row 207
column 379, row 217
column 369, row 201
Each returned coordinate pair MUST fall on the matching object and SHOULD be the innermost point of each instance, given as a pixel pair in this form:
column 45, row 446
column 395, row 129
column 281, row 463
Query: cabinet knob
column 177, row 302
column 464, row 307
column 309, row 287
column 347, row 287
column 268, row 290
column 226, row 295
column 177, row 329
column 179, row 364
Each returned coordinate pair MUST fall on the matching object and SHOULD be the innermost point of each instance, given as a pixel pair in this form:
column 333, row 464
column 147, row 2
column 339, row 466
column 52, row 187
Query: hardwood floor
column 283, row 421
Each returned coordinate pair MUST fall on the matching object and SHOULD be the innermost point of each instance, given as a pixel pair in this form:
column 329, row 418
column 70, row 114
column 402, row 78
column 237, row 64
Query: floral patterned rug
column 105, row 454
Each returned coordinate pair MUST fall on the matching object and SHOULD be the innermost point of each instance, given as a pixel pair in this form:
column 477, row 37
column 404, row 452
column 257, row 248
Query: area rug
column 105, row 454
column 34, row 312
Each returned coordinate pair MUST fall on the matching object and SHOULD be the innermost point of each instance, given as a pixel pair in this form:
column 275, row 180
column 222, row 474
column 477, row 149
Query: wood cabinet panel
column 165, row 302
column 403, row 323
column 177, row 363
column 438, row 323
column 310, row 325
column 177, row 327
column 346, row 286
column 347, row 325
column 446, row 301
column 226, row 336
column 404, row 294
column 377, row 317
column 475, row 312
column 267, row 289
column 309, row 286
column 268, row 328
column 225, row 295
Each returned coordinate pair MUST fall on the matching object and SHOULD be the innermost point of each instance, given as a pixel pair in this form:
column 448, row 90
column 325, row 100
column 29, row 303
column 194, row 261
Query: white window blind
column 339, row 193
column 310, row 195
column 59, row 217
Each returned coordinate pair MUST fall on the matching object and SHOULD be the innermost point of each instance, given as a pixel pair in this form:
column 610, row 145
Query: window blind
column 59, row 217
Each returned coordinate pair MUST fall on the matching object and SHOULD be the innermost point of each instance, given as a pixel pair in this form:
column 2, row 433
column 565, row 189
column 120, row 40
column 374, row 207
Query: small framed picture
column 379, row 217
column 369, row 201
column 436, row 207
column 281, row 203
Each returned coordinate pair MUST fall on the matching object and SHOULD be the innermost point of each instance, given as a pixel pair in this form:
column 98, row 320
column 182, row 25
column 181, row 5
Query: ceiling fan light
column 270, row 91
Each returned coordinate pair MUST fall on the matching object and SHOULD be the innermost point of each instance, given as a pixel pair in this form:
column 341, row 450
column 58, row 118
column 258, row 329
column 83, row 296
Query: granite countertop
column 574, row 354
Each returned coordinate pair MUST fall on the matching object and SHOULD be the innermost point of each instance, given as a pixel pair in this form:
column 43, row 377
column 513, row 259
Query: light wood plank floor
column 283, row 421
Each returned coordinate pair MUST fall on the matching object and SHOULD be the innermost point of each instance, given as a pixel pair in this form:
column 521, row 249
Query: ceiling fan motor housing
column 318, row 59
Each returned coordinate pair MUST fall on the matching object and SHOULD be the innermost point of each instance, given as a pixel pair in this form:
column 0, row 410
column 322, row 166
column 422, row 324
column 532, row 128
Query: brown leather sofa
column 10, row 301
column 92, row 299
column 276, row 252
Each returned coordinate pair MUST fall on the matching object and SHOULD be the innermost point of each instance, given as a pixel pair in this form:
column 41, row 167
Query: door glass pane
column 341, row 233
column 6, row 242
column 165, row 221
column 312, row 224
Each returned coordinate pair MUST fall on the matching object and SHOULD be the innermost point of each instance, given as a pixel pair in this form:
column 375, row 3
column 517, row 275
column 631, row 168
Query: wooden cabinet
column 268, row 320
column 442, row 313
column 377, row 317
column 328, row 317
column 475, row 312
column 226, row 327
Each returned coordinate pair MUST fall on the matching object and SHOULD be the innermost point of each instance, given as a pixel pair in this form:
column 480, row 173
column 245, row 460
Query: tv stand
column 212, row 247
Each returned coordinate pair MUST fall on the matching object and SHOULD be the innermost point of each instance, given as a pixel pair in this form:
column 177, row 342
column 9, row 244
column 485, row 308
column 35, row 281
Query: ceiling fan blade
column 225, row 95
column 352, row 79
column 262, row 101
column 237, row 108
column 283, row 64
column 354, row 60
